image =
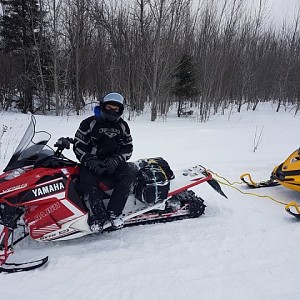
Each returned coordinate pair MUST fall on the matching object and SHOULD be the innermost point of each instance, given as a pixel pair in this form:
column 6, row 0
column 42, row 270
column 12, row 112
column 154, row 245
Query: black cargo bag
column 153, row 180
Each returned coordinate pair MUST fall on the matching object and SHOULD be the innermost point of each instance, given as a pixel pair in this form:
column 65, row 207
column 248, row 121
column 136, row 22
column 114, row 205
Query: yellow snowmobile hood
column 288, row 173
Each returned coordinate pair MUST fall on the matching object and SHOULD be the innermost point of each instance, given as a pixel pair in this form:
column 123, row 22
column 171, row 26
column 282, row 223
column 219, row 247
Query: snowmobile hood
column 288, row 172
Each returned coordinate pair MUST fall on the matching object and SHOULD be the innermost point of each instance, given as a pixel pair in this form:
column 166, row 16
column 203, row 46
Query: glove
column 63, row 143
column 96, row 166
column 111, row 164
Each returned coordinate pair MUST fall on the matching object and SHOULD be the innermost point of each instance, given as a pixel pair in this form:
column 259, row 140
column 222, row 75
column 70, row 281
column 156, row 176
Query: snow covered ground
column 244, row 247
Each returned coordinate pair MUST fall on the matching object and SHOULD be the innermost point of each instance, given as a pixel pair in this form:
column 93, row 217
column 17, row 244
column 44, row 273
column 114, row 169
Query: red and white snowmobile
column 40, row 197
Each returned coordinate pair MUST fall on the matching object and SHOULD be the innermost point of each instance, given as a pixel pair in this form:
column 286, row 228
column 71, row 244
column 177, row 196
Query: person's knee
column 87, row 179
column 133, row 168
column 128, row 171
column 132, row 171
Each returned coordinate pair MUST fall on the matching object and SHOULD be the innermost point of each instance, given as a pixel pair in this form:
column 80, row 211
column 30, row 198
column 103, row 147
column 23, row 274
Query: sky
column 282, row 9
column 274, row 10
column 279, row 9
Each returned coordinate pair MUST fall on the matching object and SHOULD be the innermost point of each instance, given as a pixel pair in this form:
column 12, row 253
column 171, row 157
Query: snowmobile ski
column 252, row 184
column 22, row 267
column 297, row 208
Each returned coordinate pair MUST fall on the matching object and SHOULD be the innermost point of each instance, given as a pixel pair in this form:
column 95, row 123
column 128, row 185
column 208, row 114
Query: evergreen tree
column 22, row 39
column 185, row 86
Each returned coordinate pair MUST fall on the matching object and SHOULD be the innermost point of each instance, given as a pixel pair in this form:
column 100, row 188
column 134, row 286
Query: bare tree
column 95, row 46
column 79, row 31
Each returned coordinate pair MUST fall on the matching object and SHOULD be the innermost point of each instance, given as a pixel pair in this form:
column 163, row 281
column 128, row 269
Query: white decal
column 47, row 189
column 110, row 132
column 50, row 209
column 17, row 187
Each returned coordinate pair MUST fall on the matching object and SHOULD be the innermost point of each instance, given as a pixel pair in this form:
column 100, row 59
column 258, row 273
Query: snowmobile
column 40, row 197
column 286, row 174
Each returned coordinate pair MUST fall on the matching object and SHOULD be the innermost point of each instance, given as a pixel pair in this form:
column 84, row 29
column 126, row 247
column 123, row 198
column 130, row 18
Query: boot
column 97, row 212
column 96, row 224
column 116, row 220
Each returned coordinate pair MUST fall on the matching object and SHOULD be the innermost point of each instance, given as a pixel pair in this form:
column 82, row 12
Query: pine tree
column 185, row 86
column 21, row 39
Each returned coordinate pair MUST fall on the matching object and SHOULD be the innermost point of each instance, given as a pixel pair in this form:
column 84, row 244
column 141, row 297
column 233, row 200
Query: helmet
column 115, row 99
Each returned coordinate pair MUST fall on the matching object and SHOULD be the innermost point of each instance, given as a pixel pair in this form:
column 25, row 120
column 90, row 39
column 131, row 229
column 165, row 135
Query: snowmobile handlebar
column 62, row 144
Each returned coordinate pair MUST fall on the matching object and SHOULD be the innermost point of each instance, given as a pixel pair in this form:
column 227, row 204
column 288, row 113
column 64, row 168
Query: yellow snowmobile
column 286, row 174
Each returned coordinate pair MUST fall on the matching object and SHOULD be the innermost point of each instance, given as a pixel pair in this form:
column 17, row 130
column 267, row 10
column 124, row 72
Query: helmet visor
column 112, row 107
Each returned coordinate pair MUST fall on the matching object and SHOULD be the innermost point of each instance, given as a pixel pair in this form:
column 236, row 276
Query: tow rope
column 252, row 184
column 226, row 182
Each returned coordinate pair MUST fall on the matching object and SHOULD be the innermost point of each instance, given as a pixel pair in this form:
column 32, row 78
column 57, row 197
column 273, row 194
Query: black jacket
column 99, row 139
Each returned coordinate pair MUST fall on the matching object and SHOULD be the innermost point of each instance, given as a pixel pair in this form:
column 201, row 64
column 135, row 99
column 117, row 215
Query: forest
column 58, row 56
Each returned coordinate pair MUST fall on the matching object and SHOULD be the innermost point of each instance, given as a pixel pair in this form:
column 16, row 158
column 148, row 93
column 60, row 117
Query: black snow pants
column 122, row 180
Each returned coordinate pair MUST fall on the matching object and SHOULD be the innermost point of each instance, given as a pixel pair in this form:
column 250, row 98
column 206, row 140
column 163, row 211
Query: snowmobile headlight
column 279, row 175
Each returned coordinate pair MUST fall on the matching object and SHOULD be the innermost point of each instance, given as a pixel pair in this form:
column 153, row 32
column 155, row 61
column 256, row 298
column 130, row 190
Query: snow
column 244, row 247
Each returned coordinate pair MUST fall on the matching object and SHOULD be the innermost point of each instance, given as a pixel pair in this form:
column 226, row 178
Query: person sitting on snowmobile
column 103, row 144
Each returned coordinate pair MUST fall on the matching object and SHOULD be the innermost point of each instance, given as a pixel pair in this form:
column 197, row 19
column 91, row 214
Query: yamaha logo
column 48, row 189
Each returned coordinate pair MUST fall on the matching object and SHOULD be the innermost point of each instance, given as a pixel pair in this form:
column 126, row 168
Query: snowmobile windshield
column 31, row 148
